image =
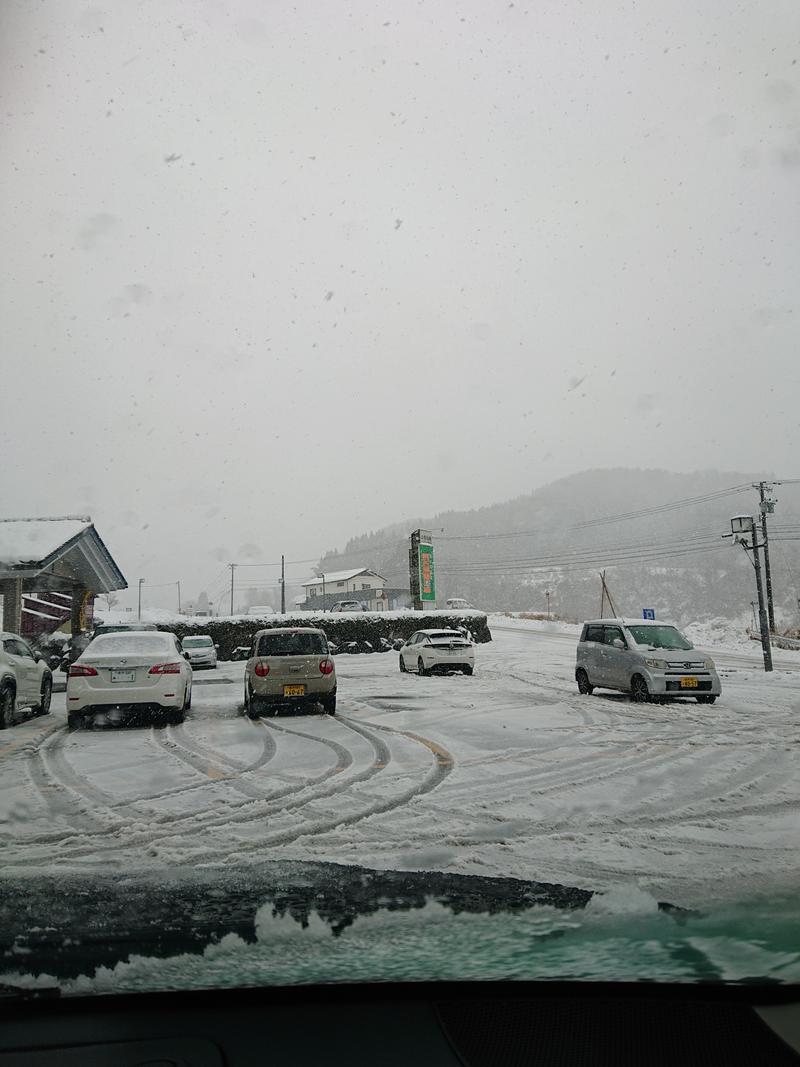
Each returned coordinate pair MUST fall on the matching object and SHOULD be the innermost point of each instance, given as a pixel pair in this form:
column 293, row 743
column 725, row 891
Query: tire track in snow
column 443, row 765
column 181, row 748
column 191, row 824
column 62, row 789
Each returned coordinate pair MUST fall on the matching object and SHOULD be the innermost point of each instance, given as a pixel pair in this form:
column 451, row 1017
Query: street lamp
column 141, row 583
column 744, row 533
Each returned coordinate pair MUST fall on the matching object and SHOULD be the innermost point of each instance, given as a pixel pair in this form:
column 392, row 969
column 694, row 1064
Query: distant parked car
column 289, row 667
column 25, row 679
column 427, row 651
column 348, row 605
column 127, row 673
column 240, row 652
column 201, row 650
column 263, row 609
column 650, row 660
column 456, row 603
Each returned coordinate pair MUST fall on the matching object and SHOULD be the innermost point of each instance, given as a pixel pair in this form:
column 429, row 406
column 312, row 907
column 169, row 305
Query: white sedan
column 129, row 673
column 427, row 651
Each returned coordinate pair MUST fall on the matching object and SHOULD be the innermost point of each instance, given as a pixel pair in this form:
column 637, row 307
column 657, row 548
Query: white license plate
column 123, row 676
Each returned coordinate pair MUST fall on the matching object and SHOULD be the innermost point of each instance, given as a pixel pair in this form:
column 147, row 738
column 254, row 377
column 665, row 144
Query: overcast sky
column 276, row 275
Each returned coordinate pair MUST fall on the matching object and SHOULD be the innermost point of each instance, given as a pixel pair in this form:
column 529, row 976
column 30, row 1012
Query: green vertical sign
column 427, row 577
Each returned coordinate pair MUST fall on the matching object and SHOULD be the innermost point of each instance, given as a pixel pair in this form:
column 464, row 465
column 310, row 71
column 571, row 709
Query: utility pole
column 141, row 583
column 233, row 569
column 744, row 531
column 179, row 596
column 602, row 593
column 766, row 507
column 547, row 602
column 283, row 585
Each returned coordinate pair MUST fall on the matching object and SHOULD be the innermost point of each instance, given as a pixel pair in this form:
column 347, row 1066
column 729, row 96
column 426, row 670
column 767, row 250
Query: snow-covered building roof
column 59, row 551
column 33, row 540
column 341, row 576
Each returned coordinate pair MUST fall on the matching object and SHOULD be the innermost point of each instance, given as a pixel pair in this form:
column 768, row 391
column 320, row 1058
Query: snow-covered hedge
column 370, row 631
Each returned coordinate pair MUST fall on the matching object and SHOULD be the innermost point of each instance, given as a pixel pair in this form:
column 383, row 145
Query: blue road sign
column 648, row 613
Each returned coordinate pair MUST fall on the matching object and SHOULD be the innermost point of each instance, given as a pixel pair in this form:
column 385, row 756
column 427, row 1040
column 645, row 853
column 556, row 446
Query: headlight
column 708, row 664
column 656, row 664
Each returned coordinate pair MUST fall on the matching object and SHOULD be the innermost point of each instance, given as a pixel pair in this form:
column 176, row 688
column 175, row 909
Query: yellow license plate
column 689, row 683
column 294, row 690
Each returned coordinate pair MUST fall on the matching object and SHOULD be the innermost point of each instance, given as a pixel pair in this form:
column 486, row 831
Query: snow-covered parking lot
column 509, row 772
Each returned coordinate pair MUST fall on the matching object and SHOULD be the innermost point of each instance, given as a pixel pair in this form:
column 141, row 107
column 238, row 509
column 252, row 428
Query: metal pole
column 141, row 583
column 762, row 614
column 179, row 596
column 767, row 571
column 283, row 585
column 233, row 568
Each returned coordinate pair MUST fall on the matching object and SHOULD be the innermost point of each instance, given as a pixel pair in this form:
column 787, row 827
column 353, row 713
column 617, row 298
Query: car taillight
column 262, row 669
column 77, row 670
column 165, row 668
column 325, row 666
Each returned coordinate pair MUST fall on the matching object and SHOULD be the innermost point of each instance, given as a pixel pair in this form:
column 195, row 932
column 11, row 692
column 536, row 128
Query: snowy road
column 509, row 772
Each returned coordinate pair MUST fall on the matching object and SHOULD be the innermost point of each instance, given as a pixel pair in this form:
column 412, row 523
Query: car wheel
column 707, row 698
column 176, row 716
column 73, row 720
column 43, row 707
column 6, row 706
column 403, row 669
column 639, row 690
column 467, row 669
column 255, row 706
column 584, row 685
column 421, row 668
column 329, row 704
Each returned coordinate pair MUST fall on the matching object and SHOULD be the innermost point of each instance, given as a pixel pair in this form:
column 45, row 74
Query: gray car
column 648, row 659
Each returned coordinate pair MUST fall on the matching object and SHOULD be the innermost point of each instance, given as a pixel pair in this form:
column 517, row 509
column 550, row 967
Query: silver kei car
column 289, row 667
column 651, row 660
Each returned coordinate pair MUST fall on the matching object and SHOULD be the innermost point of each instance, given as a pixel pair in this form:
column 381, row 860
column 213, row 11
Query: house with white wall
column 358, row 583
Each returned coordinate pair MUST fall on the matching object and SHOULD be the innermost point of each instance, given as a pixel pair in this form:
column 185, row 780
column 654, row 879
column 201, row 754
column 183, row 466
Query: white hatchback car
column 427, row 651
column 126, row 673
column 25, row 679
column 202, row 652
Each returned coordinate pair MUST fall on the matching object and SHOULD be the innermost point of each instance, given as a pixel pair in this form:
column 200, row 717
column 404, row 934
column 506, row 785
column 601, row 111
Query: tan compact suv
column 289, row 667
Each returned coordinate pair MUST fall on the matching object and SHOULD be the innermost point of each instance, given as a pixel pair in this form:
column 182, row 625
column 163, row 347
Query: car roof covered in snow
column 289, row 630
column 628, row 622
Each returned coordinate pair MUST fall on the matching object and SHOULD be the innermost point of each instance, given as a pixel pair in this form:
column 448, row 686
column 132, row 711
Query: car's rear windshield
column 292, row 645
column 446, row 635
column 196, row 642
column 659, row 637
column 140, row 644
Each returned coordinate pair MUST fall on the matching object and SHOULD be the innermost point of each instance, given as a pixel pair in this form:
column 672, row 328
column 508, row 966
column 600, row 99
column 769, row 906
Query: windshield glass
column 313, row 314
column 659, row 637
column 301, row 644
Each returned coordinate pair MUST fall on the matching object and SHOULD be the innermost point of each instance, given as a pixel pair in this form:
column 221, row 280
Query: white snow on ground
column 714, row 635
column 509, row 772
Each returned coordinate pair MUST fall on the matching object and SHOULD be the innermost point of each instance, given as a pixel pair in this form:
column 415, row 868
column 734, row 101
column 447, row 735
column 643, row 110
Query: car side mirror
column 618, row 642
column 186, row 655
column 37, row 656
